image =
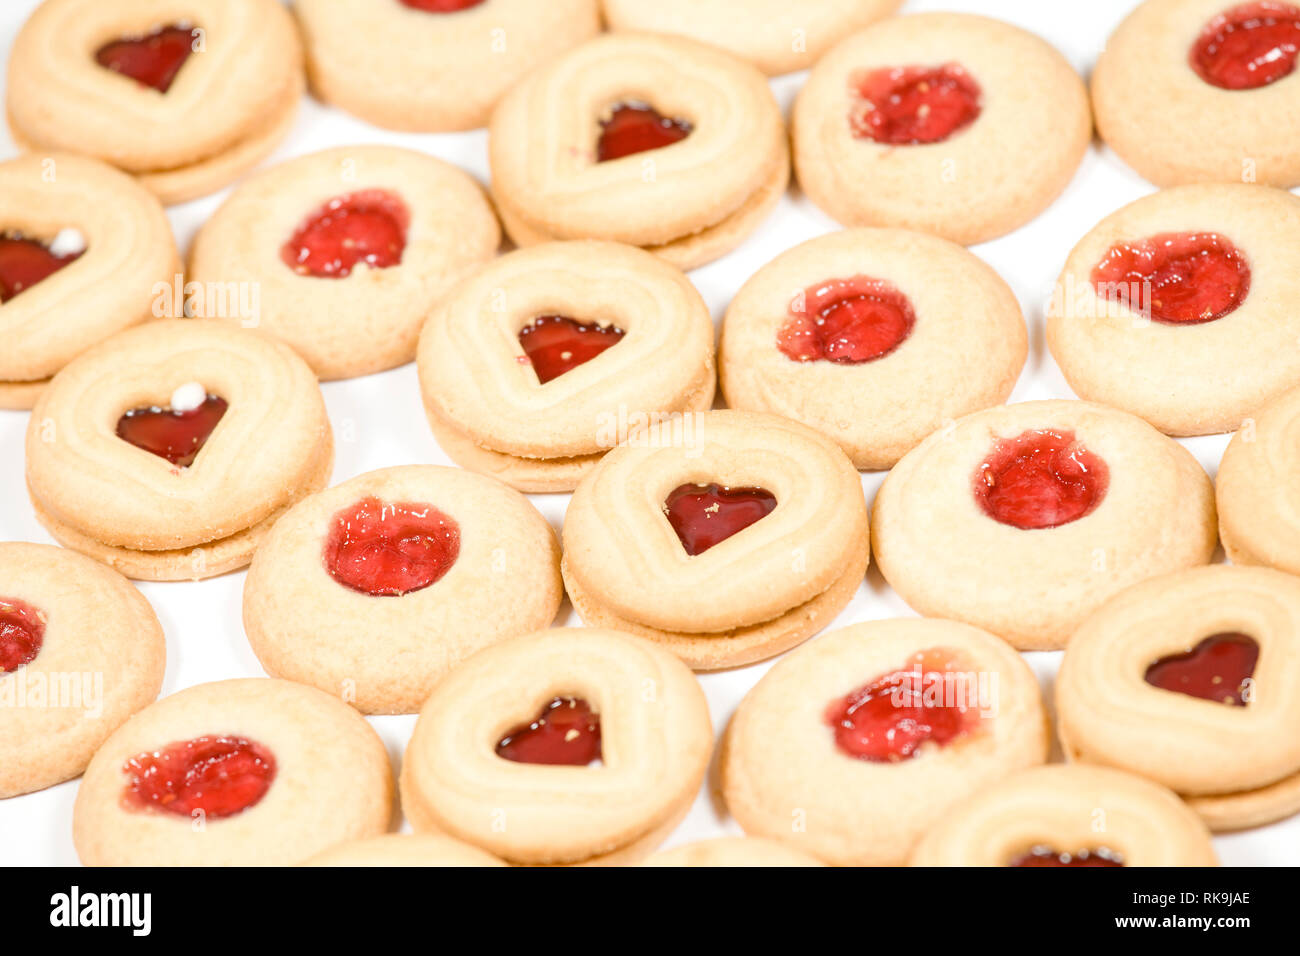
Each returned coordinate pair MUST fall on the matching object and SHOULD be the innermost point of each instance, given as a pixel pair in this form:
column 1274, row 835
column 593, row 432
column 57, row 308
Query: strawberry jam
column 152, row 60
column 22, row 631
column 25, row 262
column 555, row 344
column 1175, row 278
column 1040, row 479
column 1218, row 668
column 846, row 321
column 178, row 436
column 705, row 515
column 1248, row 46
column 636, row 128
column 213, row 776
column 388, row 549
column 565, row 732
column 366, row 227
column 913, row 105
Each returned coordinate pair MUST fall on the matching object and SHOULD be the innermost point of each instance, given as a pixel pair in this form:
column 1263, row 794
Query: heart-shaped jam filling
column 635, row 128
column 846, row 321
column 152, row 59
column 705, row 515
column 212, row 776
column 565, row 732
column 177, row 432
column 1046, row 856
column 22, row 631
column 1248, row 46
column 1040, row 479
column 555, row 344
column 1175, row 278
column 365, row 227
column 25, row 262
column 1219, row 668
column 441, row 6
column 388, row 549
column 912, row 105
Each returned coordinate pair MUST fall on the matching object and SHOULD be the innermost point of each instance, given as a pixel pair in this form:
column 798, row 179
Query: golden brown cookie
column 393, row 849
column 733, row 852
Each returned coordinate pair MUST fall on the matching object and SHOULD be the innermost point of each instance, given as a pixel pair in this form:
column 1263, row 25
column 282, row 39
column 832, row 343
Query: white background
column 378, row 420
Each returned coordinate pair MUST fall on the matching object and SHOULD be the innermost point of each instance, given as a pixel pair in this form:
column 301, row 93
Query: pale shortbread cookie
column 394, row 849
column 733, row 852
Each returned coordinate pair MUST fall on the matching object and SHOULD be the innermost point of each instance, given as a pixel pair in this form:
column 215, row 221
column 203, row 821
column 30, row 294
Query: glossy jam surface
column 565, row 732
column 441, row 6
column 388, row 549
column 152, row 59
column 364, row 227
column 25, row 262
column 913, row 105
column 1218, row 668
column 1040, row 479
column 218, row 776
column 704, row 515
column 846, row 321
column 22, row 631
column 1248, row 46
column 555, row 344
column 176, row 436
column 1046, row 856
column 635, row 128
column 1175, row 278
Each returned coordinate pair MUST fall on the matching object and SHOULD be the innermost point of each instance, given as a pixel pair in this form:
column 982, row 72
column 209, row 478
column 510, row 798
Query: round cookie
column 551, row 355
column 433, row 65
column 1023, row 519
column 854, row 746
column 119, row 81
column 83, row 251
column 502, row 755
column 233, row 773
column 1189, row 679
column 727, row 541
column 1177, row 307
column 1071, row 815
column 927, row 122
column 81, row 650
column 853, row 335
column 168, row 450
column 733, row 852
column 394, row 849
column 348, row 249
column 649, row 140
column 376, row 588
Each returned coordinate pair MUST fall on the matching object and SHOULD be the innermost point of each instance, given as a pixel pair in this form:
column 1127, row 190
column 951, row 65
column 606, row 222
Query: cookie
column 1024, row 519
column 1069, row 816
column 550, row 356
column 734, row 852
column 1177, row 307
column 726, row 541
column 432, row 65
column 648, row 140
column 927, row 122
column 394, row 849
column 867, row 335
column 567, row 746
column 83, row 252
column 348, row 249
column 81, row 650
column 853, row 747
column 233, row 773
column 186, row 97
column 169, row 450
column 375, row 589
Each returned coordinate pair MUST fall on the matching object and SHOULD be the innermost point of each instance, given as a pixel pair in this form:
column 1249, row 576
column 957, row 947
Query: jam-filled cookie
column 83, row 249
column 726, row 538
column 568, row 746
column 374, row 589
column 948, row 123
column 650, row 140
column 733, row 852
column 394, row 849
column 1189, row 679
column 349, row 249
column 1069, row 816
column 852, row 334
column 252, row 772
column 1023, row 519
column 550, row 356
column 1179, row 307
column 187, row 95
column 855, row 745
column 81, row 650
column 1195, row 91
column 169, row 450
column 429, row 65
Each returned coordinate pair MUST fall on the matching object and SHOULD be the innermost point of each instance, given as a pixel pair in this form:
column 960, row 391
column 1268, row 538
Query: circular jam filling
column 1248, row 46
column 912, row 105
column 215, row 776
column 365, row 227
column 152, row 59
column 176, row 435
column 1040, row 479
column 25, row 262
column 1175, row 278
column 1046, row 856
column 634, row 127
column 441, row 6
column 22, row 631
column 555, row 344
column 388, row 549
column 1219, row 668
column 846, row 321
column 704, row 515
column 565, row 732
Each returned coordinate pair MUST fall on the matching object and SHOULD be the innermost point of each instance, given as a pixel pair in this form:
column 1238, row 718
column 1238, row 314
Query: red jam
column 1046, row 856
column 555, row 344
column 1040, row 479
column 846, row 321
column 1248, row 46
column 176, row 436
column 912, row 105
column 1218, row 668
column 565, row 732
column 704, row 515
column 386, row 550
column 636, row 128
column 151, row 60
column 366, row 227
column 22, row 631
column 215, row 776
column 441, row 6
column 25, row 262
column 1175, row 278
